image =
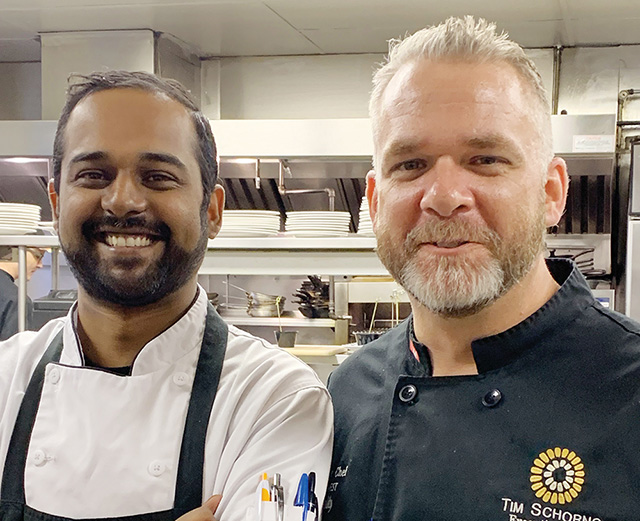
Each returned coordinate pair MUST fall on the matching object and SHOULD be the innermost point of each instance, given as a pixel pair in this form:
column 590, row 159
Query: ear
column 372, row 196
column 216, row 206
column 53, row 199
column 555, row 187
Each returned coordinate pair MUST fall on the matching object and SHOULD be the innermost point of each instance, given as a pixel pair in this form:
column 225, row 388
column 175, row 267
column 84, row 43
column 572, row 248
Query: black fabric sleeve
column 8, row 317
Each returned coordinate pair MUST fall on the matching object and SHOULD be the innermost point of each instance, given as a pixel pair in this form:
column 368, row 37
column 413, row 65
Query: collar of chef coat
column 496, row 351
column 565, row 306
column 179, row 340
column 7, row 275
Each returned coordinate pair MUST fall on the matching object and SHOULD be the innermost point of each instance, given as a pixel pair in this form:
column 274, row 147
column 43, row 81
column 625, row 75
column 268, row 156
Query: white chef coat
column 104, row 445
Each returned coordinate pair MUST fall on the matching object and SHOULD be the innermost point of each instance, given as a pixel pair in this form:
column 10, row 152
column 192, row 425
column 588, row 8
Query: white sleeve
column 292, row 436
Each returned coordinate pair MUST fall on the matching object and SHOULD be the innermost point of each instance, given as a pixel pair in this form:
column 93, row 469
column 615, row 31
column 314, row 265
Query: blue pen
column 302, row 496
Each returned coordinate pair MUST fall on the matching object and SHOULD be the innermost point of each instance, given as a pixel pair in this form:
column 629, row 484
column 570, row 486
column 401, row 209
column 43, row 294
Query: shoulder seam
column 605, row 313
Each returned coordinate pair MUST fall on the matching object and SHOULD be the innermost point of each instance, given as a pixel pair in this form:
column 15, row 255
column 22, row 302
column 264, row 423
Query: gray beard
column 462, row 286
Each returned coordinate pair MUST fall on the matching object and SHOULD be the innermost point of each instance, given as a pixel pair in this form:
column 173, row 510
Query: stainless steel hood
column 336, row 154
column 24, row 180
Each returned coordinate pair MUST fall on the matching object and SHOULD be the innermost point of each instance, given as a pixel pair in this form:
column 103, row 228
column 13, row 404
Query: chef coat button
column 156, row 468
column 180, row 379
column 54, row 375
column 492, row 398
column 408, row 393
column 39, row 458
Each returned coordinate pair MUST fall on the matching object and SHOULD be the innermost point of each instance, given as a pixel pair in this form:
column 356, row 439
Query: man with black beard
column 510, row 393
column 142, row 403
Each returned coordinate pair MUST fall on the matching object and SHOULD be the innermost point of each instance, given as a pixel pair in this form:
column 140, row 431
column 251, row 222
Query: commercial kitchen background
column 312, row 60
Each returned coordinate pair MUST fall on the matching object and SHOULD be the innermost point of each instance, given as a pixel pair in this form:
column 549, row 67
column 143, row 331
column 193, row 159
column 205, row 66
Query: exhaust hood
column 335, row 154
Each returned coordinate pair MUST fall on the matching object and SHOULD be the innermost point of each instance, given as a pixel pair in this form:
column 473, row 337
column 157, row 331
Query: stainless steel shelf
column 274, row 322
column 36, row 241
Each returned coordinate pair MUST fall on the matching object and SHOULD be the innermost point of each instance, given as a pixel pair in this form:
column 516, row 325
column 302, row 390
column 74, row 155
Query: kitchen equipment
column 317, row 224
column 364, row 337
column 583, row 258
column 18, row 218
column 313, row 297
column 250, row 223
column 53, row 305
column 262, row 304
column 286, row 338
column 365, row 225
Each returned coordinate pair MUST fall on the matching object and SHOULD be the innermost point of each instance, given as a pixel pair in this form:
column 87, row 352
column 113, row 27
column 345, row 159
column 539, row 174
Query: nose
column 124, row 196
column 447, row 191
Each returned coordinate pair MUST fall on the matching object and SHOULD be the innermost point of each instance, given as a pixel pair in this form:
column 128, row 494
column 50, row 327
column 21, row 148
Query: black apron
column 188, row 494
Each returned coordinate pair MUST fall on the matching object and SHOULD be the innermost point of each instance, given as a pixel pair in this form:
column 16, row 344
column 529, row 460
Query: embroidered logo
column 557, row 476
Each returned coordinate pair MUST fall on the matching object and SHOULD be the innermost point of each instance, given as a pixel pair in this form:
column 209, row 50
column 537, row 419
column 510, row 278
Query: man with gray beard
column 510, row 392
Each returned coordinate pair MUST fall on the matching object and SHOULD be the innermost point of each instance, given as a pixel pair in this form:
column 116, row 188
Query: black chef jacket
column 548, row 430
column 9, row 306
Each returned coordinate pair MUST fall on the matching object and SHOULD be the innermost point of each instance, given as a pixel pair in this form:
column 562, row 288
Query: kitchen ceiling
column 281, row 27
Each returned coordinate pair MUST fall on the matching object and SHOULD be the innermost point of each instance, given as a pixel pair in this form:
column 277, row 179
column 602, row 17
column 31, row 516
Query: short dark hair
column 81, row 86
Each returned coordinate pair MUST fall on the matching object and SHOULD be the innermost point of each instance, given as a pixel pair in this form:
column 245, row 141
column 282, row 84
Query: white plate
column 23, row 222
column 235, row 218
column 252, row 213
column 18, row 227
column 19, row 207
column 323, row 226
column 24, row 206
column 233, row 222
column 316, row 213
column 226, row 229
column 15, row 231
column 20, row 215
column 315, row 234
column 251, row 233
column 326, row 215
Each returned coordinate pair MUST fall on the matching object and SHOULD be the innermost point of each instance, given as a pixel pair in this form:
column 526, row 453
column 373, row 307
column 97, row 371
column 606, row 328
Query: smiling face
column 460, row 199
column 129, row 211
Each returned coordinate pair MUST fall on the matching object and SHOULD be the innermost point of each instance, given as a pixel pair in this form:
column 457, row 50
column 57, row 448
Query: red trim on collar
column 413, row 350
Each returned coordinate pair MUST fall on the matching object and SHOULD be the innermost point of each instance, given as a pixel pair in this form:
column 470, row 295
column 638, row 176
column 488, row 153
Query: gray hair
column 462, row 39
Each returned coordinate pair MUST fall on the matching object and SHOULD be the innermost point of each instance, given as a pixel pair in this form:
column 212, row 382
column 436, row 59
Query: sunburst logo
column 557, row 476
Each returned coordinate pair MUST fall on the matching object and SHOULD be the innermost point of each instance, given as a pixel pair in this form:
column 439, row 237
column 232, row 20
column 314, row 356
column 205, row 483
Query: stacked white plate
column 317, row 224
column 250, row 223
column 18, row 218
column 47, row 227
column 365, row 226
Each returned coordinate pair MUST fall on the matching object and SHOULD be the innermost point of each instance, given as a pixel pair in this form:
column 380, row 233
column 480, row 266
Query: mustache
column 450, row 230
column 140, row 223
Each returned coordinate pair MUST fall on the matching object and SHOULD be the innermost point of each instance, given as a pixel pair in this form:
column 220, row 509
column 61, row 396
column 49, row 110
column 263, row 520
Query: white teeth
column 129, row 241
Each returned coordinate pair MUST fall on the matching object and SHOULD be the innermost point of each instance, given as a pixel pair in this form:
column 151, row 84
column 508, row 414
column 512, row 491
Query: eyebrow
column 491, row 141
column 88, row 156
column 156, row 157
column 400, row 148
column 498, row 141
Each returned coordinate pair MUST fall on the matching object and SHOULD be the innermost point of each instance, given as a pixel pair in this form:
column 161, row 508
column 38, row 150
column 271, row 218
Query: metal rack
column 340, row 256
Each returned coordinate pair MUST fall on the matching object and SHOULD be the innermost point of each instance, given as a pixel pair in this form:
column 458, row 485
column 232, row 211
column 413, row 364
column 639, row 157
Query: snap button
column 39, row 458
column 156, row 468
column 180, row 379
column 54, row 375
column 408, row 393
column 492, row 398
